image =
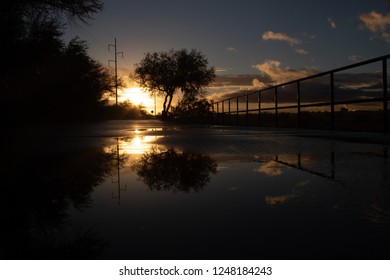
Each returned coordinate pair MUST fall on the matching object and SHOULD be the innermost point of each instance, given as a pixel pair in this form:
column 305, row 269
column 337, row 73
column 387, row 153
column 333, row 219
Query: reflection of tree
column 169, row 170
column 36, row 195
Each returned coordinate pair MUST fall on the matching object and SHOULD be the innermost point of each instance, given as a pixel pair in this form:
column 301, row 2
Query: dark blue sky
column 273, row 37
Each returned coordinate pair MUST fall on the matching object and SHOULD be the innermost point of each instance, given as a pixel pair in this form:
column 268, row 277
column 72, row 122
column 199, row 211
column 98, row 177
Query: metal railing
column 239, row 110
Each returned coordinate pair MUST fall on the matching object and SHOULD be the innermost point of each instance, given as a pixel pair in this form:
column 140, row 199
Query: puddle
column 195, row 193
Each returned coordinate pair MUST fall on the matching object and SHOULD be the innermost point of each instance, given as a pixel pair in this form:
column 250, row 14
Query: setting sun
column 138, row 96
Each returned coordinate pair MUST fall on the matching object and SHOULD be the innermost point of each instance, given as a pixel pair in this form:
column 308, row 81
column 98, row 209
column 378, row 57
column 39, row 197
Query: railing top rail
column 351, row 66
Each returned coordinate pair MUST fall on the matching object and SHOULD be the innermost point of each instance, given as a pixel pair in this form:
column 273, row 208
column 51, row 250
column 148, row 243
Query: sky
column 249, row 42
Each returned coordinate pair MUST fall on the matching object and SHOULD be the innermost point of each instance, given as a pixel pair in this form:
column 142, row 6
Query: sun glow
column 138, row 96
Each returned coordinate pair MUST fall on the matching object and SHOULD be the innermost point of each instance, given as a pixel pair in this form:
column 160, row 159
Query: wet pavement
column 152, row 190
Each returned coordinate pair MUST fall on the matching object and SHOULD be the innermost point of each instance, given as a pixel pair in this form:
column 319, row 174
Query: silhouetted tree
column 165, row 73
column 169, row 170
column 38, row 63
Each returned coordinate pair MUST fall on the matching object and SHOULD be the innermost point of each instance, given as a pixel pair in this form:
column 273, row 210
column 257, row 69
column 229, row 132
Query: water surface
column 148, row 190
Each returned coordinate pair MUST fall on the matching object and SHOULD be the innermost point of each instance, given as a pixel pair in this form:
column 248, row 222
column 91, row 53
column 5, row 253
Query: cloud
column 220, row 69
column 309, row 36
column 273, row 71
column 242, row 80
column 256, row 83
column 377, row 23
column 356, row 58
column 269, row 35
column 231, row 49
column 227, row 86
column 301, row 51
column 332, row 23
column 348, row 86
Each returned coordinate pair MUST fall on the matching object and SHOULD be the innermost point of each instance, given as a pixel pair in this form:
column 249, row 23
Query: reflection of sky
column 270, row 169
column 251, row 197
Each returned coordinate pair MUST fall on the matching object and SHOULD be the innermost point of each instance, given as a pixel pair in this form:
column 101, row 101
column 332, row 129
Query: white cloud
column 377, row 23
column 269, row 35
column 231, row 49
column 332, row 23
column 272, row 70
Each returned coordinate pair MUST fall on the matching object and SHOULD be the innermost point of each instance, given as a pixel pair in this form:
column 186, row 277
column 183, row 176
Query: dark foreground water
column 147, row 190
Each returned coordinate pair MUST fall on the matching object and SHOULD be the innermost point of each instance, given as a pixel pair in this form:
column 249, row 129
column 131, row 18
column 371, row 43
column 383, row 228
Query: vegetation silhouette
column 44, row 79
column 38, row 191
column 192, row 109
column 169, row 170
column 165, row 73
column 125, row 111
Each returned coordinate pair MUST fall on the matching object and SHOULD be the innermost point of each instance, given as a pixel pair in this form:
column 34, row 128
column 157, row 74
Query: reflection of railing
column 236, row 115
column 298, row 165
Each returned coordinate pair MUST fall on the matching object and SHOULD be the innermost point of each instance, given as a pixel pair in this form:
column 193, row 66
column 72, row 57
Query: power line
column 116, row 69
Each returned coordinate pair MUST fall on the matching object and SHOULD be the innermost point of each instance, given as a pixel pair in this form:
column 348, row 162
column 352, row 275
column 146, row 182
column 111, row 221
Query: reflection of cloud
column 269, row 35
column 280, row 199
column 272, row 70
column 377, row 23
column 303, row 183
column 332, row 23
column 270, row 169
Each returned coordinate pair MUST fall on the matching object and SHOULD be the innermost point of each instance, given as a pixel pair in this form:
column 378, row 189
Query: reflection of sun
column 138, row 145
column 138, row 96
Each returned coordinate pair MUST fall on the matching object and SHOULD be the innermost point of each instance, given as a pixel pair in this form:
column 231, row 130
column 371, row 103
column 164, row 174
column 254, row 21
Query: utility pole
column 116, row 69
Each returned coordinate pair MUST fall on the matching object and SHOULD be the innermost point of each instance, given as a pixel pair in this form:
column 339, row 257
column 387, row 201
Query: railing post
column 385, row 96
column 247, row 109
column 237, row 112
column 229, row 111
column 259, row 106
column 299, row 103
column 223, row 112
column 218, row 112
column 213, row 115
column 332, row 100
column 276, row 106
